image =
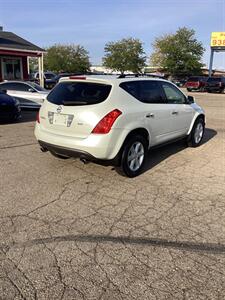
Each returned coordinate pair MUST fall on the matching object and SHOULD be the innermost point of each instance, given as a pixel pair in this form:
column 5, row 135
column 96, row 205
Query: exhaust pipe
column 83, row 160
column 43, row 149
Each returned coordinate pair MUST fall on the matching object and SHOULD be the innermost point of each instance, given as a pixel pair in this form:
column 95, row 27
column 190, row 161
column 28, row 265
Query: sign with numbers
column 218, row 40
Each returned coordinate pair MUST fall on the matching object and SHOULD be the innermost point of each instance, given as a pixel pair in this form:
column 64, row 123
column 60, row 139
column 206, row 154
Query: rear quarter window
column 79, row 93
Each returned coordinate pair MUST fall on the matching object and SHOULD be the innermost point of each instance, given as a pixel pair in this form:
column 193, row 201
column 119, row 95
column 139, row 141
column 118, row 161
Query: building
column 14, row 57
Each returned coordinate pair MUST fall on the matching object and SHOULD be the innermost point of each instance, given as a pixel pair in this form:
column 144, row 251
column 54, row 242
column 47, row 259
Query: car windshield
column 214, row 79
column 37, row 87
column 49, row 75
column 79, row 93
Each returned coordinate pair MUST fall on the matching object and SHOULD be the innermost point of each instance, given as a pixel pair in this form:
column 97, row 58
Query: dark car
column 196, row 83
column 215, row 84
column 49, row 79
column 9, row 108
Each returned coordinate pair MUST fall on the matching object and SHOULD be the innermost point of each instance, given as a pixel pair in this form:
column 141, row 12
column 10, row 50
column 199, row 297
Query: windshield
column 79, row 93
column 49, row 75
column 37, row 87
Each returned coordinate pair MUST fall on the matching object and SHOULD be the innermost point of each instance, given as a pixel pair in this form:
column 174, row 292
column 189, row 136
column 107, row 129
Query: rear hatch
column 73, row 108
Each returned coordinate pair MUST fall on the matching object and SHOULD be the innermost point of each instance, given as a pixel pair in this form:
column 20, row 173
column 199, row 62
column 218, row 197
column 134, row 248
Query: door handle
column 174, row 112
column 150, row 115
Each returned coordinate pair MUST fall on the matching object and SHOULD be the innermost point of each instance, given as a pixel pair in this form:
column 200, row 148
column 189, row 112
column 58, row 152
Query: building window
column 12, row 68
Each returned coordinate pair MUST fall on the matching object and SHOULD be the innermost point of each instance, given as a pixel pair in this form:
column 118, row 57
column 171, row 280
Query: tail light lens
column 107, row 122
column 38, row 117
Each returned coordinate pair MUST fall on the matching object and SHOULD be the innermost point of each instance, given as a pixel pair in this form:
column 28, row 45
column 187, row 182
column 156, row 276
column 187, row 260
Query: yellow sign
column 218, row 39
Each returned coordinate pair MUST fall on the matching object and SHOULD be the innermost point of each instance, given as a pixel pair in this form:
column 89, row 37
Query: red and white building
column 14, row 57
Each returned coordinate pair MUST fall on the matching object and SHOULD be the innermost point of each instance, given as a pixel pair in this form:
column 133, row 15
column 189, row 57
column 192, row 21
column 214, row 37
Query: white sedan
column 28, row 93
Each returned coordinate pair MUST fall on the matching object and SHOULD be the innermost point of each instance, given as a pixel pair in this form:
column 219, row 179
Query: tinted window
column 146, row 91
column 131, row 87
column 150, row 92
column 173, row 95
column 214, row 79
column 37, row 87
column 79, row 93
column 15, row 86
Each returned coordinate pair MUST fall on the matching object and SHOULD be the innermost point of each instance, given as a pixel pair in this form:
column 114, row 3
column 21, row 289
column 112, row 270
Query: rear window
column 79, row 93
column 214, row 79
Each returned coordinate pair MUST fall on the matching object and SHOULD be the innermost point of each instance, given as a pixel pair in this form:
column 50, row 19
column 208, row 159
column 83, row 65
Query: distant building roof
column 11, row 41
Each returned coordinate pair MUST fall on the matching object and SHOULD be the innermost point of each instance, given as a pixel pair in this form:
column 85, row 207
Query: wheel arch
column 200, row 116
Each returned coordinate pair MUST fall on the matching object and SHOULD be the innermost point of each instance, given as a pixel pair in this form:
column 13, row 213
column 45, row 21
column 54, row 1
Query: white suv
column 116, row 120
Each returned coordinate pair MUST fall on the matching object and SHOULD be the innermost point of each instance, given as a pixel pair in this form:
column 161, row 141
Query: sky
column 93, row 23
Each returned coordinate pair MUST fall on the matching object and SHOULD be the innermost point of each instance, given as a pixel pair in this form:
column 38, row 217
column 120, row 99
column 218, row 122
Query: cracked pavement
column 74, row 231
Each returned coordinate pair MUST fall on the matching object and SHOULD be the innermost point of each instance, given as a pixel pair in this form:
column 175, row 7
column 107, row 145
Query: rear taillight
column 78, row 77
column 38, row 117
column 107, row 122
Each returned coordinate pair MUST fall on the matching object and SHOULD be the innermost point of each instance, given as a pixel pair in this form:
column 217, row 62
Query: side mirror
column 31, row 90
column 190, row 99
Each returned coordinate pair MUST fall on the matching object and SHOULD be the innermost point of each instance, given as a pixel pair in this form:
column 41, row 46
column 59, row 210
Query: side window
column 173, row 95
column 150, row 92
column 8, row 86
column 22, row 87
column 146, row 91
column 131, row 87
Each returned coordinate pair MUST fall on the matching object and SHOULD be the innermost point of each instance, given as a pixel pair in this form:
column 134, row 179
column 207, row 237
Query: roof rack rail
column 139, row 75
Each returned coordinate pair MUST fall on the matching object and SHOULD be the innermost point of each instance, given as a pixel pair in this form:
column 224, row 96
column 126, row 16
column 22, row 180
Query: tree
column 124, row 55
column 179, row 54
column 66, row 58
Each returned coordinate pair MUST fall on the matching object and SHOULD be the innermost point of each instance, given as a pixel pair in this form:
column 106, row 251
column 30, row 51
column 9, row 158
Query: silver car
column 29, row 94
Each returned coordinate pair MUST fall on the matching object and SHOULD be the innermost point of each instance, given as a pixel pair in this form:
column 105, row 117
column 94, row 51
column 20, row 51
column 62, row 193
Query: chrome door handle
column 151, row 115
column 174, row 112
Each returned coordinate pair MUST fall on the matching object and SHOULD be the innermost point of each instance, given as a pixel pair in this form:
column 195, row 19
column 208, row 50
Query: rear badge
column 59, row 109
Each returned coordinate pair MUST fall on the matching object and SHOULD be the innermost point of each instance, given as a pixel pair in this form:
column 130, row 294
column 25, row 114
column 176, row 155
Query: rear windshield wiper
column 68, row 103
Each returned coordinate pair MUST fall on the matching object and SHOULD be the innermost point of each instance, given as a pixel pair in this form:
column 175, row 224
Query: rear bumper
column 75, row 153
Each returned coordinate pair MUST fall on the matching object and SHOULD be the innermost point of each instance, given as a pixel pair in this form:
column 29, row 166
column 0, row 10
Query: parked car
column 179, row 82
column 49, row 79
column 9, row 108
column 28, row 93
column 215, row 84
column 62, row 75
column 116, row 120
column 196, row 83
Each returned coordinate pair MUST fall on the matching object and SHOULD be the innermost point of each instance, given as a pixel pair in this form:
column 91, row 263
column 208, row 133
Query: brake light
column 78, row 77
column 38, row 117
column 107, row 122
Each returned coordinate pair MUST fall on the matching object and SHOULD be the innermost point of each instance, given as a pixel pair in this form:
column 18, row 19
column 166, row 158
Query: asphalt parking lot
column 74, row 231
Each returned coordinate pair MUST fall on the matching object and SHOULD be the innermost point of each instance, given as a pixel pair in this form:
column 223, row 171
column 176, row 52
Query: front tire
column 134, row 155
column 197, row 133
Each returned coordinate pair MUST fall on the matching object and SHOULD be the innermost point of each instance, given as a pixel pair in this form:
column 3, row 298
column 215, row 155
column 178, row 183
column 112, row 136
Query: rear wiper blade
column 68, row 103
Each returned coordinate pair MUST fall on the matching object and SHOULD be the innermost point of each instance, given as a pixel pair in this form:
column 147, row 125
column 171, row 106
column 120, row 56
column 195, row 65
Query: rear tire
column 134, row 155
column 197, row 133
column 59, row 156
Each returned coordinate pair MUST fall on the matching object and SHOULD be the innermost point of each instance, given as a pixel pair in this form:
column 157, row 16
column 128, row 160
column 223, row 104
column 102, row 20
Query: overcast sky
column 93, row 23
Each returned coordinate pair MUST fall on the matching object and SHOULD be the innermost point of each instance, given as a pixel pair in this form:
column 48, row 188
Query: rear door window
column 146, row 91
column 79, row 93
